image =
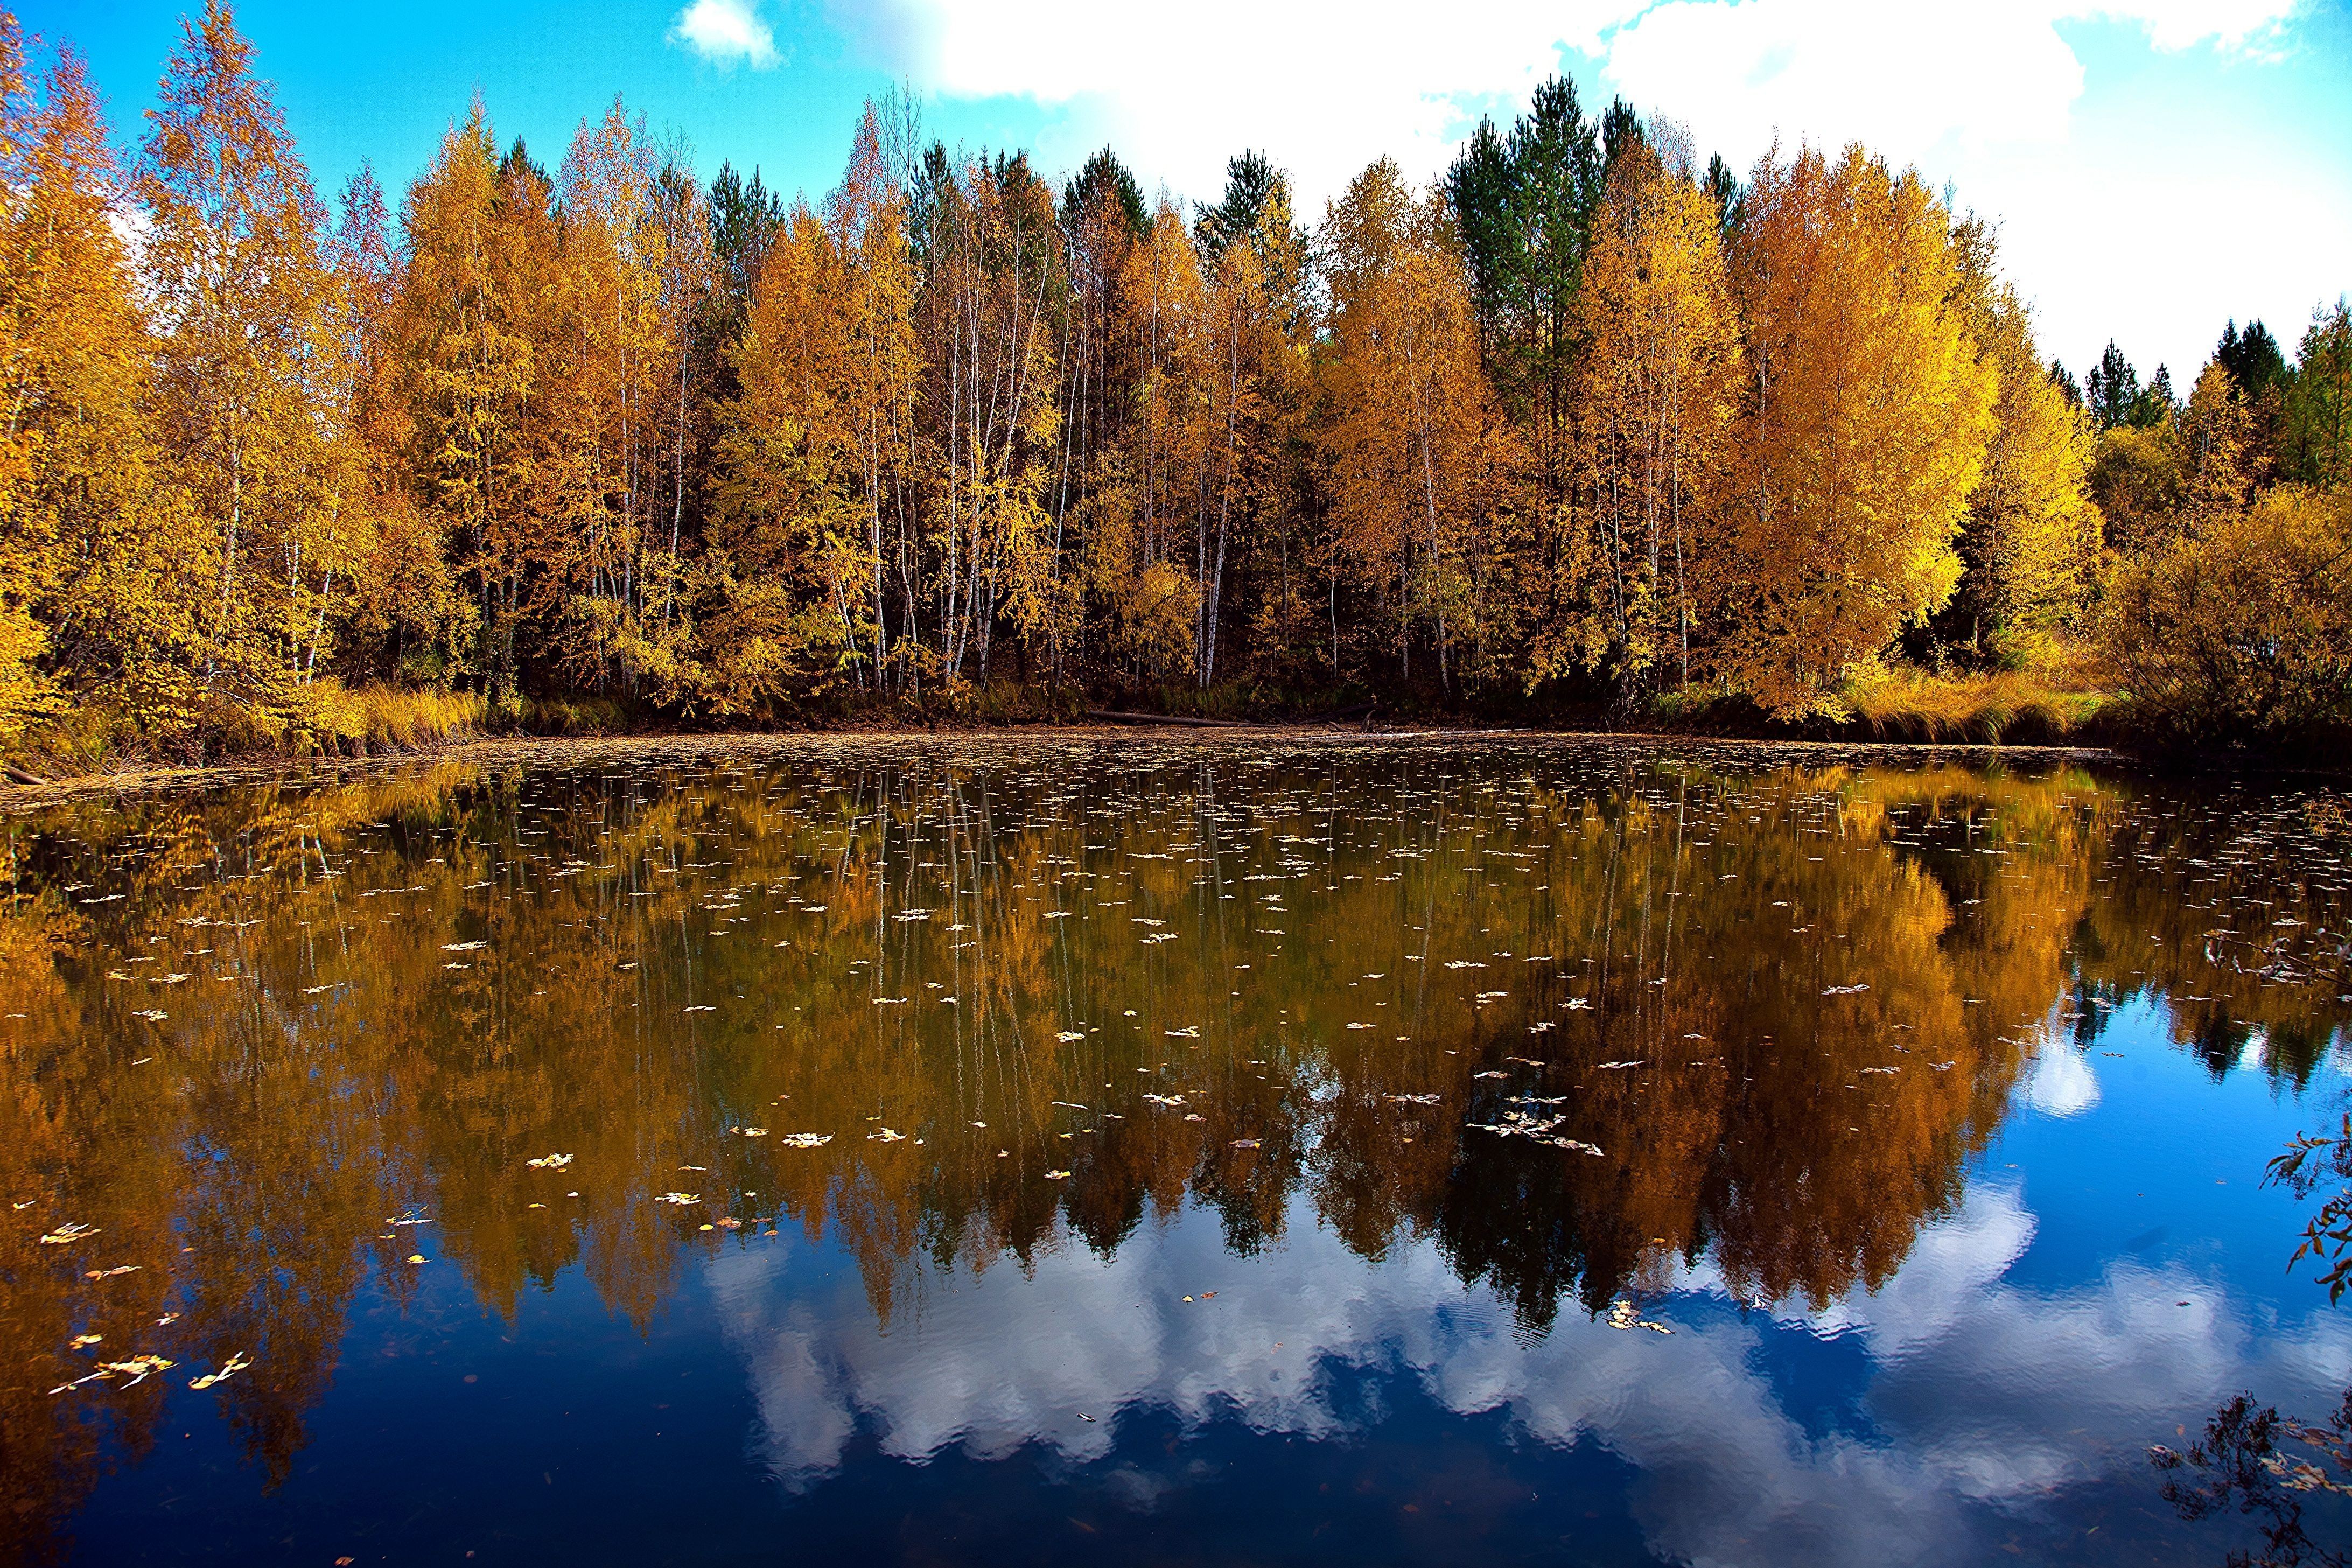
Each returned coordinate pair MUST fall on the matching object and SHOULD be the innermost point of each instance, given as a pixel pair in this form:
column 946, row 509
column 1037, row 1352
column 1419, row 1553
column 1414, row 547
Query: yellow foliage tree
column 599, row 489
column 2239, row 630
column 1656, row 392
column 247, row 383
column 465, row 363
column 1863, row 433
column 2032, row 539
column 780, row 612
column 86, row 615
column 1419, row 462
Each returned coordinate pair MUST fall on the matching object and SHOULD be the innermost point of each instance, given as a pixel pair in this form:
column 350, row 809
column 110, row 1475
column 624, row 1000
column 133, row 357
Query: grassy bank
column 328, row 720
column 323, row 718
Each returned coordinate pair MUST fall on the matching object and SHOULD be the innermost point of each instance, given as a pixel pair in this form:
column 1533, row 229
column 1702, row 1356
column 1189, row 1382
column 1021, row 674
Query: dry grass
column 2016, row 706
column 319, row 718
column 330, row 717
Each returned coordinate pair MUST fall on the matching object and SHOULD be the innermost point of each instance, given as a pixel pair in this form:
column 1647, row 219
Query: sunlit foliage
column 1583, row 421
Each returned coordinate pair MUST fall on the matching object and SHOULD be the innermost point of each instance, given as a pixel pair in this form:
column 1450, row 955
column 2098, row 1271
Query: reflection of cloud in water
column 1981, row 1392
column 2061, row 1082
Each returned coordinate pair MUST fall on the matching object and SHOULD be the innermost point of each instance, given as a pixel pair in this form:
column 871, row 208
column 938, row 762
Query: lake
column 1169, row 1149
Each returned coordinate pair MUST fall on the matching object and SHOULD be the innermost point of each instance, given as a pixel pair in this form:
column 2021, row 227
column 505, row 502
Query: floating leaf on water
column 231, row 1367
column 681, row 1199
column 65, row 1235
column 549, row 1162
column 462, row 946
column 806, row 1139
column 139, row 1368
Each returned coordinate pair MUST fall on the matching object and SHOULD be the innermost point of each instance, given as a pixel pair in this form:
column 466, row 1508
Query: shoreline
column 496, row 749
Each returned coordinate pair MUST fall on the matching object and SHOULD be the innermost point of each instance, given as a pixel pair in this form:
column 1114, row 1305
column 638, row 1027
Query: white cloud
column 1988, row 1396
column 2062, row 1083
column 1829, row 71
column 1329, row 87
column 2183, row 23
column 1987, row 97
column 726, row 32
column 2083, row 201
column 1325, row 87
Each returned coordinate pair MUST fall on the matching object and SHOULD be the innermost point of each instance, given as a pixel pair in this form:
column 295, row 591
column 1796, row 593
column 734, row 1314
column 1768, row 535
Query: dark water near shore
column 1009, row 1151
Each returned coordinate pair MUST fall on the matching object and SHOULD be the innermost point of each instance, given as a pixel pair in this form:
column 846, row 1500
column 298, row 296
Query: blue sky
column 2157, row 165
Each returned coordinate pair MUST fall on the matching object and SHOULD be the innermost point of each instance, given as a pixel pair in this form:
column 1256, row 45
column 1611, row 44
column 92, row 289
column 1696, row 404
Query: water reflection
column 1421, row 1059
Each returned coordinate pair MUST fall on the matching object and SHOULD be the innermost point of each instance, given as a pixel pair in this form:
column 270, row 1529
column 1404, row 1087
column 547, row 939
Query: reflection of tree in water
column 2213, row 905
column 1313, row 974
column 2251, row 1461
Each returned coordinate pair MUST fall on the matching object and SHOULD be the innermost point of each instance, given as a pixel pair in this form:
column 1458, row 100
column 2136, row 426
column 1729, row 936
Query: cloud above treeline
column 1326, row 86
column 1990, row 98
column 726, row 32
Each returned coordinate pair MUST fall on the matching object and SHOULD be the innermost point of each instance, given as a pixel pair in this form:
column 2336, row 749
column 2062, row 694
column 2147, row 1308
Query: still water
column 1004, row 1152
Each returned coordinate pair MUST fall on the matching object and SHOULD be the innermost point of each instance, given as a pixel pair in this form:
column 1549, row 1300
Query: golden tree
column 1419, row 461
column 1656, row 393
column 246, row 386
column 86, row 610
column 1867, row 411
column 2031, row 540
column 599, row 490
column 784, row 600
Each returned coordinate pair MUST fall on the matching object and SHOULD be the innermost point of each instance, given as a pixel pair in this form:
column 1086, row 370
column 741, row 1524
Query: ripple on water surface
column 994, row 1150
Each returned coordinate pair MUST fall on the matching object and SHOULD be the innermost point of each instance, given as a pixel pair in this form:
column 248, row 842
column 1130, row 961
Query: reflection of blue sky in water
column 2021, row 1359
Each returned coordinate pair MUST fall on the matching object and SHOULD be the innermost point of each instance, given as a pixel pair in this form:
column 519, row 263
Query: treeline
column 1583, row 420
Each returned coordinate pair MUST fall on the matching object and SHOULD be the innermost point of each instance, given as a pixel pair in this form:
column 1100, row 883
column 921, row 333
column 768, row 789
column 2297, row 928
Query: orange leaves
column 1419, row 462
column 1866, row 427
column 2031, row 538
column 1656, row 395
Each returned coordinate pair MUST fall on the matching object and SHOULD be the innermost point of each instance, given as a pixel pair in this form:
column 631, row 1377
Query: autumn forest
column 1592, row 423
